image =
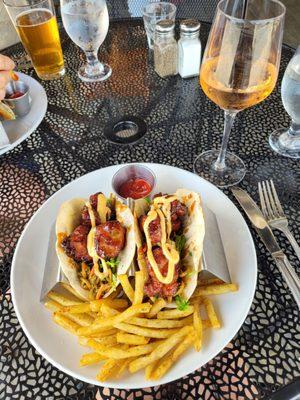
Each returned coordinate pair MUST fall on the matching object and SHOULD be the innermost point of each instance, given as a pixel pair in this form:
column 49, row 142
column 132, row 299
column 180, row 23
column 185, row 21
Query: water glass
column 36, row 25
column 86, row 22
column 287, row 141
column 154, row 12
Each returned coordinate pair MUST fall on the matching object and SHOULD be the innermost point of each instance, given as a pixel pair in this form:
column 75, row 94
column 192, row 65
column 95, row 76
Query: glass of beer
column 36, row 25
column 239, row 69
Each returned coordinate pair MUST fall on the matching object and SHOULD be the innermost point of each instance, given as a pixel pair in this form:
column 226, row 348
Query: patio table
column 181, row 123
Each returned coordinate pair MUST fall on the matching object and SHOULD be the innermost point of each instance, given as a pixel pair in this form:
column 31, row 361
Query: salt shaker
column 165, row 49
column 189, row 48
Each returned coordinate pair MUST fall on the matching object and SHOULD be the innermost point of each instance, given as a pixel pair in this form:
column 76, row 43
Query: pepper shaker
column 165, row 49
column 189, row 48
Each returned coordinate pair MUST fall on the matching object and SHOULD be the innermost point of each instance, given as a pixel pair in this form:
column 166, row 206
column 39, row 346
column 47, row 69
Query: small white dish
column 20, row 128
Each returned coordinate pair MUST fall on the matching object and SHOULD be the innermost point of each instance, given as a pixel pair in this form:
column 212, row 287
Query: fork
column 273, row 212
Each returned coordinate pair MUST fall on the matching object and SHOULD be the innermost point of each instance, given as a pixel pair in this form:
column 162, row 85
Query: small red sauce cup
column 133, row 180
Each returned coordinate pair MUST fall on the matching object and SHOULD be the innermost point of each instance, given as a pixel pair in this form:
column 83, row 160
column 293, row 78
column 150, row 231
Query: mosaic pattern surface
column 182, row 122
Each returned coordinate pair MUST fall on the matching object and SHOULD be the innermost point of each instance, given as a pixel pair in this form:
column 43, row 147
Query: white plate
column 60, row 347
column 19, row 129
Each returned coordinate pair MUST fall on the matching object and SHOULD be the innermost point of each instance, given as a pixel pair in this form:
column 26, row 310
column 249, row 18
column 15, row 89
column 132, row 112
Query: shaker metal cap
column 164, row 26
column 190, row 25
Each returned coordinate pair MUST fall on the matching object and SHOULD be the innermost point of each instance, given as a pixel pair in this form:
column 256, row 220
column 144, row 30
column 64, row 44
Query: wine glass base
column 284, row 143
column 231, row 175
column 101, row 76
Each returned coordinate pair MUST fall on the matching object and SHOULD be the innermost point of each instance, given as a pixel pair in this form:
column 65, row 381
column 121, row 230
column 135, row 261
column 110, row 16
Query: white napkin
column 4, row 140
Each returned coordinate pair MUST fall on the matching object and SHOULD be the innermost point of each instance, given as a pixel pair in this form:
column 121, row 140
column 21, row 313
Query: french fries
column 210, row 281
column 77, row 308
column 169, row 360
column 147, row 332
column 197, row 326
column 149, row 370
column 89, row 359
column 156, row 307
column 53, row 305
column 84, row 319
column 103, row 323
column 160, row 350
column 123, row 366
column 139, row 287
column 126, row 287
column 96, row 305
column 65, row 322
column 128, row 338
column 116, row 353
column 107, row 332
column 159, row 323
column 14, row 76
column 131, row 335
column 63, row 300
column 110, row 367
column 106, row 340
column 174, row 314
column 214, row 320
column 215, row 289
column 107, row 311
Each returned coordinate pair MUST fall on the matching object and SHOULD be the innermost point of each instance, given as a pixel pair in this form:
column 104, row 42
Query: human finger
column 6, row 63
column 4, row 78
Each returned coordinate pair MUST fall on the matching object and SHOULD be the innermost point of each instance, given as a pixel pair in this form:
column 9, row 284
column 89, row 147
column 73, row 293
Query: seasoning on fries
column 156, row 336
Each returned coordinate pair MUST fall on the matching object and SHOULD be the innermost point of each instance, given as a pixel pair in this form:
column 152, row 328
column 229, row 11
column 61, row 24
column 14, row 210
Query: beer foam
column 38, row 19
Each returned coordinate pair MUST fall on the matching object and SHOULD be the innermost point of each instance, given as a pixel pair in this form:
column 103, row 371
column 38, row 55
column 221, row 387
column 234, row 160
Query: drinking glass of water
column 86, row 22
column 287, row 141
column 154, row 12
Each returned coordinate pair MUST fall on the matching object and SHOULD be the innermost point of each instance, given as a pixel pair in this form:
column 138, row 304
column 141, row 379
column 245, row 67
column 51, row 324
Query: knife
column 264, row 231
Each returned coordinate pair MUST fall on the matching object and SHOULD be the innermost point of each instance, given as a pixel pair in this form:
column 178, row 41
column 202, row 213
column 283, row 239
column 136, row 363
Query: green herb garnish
column 148, row 200
column 113, row 263
column 108, row 202
column 114, row 281
column 181, row 303
column 180, row 242
column 190, row 253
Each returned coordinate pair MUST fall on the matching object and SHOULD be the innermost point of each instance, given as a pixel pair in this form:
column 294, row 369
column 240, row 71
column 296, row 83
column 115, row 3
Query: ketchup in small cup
column 15, row 95
column 133, row 181
column 136, row 188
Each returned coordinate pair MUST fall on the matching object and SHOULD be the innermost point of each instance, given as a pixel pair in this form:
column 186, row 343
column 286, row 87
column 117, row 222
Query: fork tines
column 269, row 200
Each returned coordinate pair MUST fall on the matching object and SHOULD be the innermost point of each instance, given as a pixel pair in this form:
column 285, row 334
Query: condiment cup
column 133, row 171
column 20, row 105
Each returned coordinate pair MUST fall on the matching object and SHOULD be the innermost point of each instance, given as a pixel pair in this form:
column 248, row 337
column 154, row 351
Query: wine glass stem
column 294, row 129
column 94, row 66
column 220, row 165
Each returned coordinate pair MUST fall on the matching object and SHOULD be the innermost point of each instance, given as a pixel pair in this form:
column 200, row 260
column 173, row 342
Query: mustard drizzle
column 167, row 245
